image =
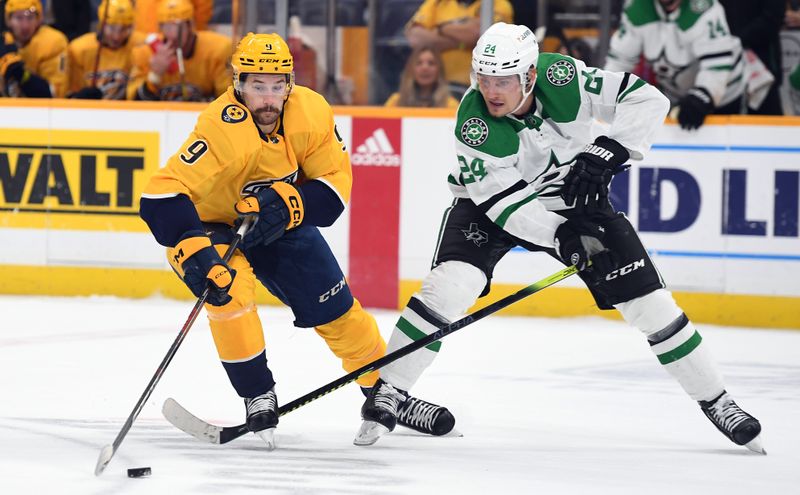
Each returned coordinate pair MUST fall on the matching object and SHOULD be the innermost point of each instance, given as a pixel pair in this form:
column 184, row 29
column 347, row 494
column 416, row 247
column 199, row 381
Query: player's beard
column 266, row 115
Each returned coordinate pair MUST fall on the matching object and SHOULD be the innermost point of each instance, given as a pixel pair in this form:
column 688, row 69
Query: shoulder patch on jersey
column 474, row 131
column 561, row 73
column 559, row 93
column 233, row 114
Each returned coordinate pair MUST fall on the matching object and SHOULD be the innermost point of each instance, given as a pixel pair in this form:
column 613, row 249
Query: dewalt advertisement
column 74, row 180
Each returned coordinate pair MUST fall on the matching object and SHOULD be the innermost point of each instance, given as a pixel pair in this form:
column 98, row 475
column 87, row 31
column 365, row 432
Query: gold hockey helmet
column 119, row 12
column 262, row 54
column 15, row 5
column 175, row 11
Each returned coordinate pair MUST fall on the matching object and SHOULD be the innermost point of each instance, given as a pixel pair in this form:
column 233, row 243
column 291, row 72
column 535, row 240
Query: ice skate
column 425, row 417
column 740, row 427
column 379, row 412
column 262, row 416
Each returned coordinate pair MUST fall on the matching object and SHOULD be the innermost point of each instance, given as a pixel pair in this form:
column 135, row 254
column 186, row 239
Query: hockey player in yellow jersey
column 94, row 75
column 266, row 149
column 179, row 63
column 32, row 56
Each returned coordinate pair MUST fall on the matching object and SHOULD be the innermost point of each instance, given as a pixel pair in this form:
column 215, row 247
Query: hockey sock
column 680, row 349
column 676, row 343
column 415, row 323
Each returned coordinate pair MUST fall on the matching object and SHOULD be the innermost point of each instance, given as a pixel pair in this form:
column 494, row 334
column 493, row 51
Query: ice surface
column 545, row 405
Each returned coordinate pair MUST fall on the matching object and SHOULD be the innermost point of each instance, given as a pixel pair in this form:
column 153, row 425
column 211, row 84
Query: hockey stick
column 109, row 450
column 100, row 33
column 191, row 424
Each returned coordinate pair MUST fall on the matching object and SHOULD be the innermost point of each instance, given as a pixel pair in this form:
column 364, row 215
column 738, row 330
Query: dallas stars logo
column 475, row 235
column 474, row 131
column 561, row 73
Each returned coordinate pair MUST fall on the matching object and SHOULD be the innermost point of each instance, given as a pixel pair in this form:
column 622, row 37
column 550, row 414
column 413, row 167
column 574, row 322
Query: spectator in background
column 180, row 64
column 146, row 21
column 757, row 24
column 71, row 17
column 99, row 64
column 453, row 27
column 422, row 83
column 32, row 56
column 792, row 16
column 697, row 62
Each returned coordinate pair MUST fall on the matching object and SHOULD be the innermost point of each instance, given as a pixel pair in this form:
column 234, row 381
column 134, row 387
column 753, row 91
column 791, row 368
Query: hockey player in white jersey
column 697, row 61
column 528, row 172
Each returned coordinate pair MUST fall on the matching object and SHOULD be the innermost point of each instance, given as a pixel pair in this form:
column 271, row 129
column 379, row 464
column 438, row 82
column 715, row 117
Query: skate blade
column 369, row 433
column 268, row 436
column 756, row 446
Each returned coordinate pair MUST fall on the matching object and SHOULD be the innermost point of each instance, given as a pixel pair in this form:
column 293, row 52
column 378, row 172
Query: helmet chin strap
column 525, row 94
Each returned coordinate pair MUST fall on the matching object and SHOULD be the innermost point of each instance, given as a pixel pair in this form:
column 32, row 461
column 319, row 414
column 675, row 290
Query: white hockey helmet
column 507, row 49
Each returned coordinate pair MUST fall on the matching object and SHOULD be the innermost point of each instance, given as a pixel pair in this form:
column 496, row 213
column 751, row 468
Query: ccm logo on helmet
column 621, row 272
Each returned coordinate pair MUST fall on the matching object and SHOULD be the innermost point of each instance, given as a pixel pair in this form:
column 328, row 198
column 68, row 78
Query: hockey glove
column 586, row 186
column 275, row 209
column 694, row 107
column 202, row 266
column 88, row 93
column 577, row 243
column 11, row 66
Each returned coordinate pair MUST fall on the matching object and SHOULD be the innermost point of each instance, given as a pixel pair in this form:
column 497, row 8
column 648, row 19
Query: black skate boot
column 425, row 417
column 379, row 412
column 262, row 416
column 740, row 427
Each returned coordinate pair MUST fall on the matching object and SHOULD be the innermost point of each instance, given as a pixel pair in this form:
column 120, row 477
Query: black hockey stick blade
column 108, row 451
column 191, row 424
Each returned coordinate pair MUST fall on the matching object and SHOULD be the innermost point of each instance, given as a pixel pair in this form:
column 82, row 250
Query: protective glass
column 271, row 85
column 499, row 84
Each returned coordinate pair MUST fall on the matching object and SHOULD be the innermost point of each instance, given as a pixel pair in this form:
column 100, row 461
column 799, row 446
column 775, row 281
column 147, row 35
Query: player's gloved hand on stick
column 694, row 107
column 202, row 265
column 579, row 242
column 11, row 66
column 275, row 209
column 586, row 186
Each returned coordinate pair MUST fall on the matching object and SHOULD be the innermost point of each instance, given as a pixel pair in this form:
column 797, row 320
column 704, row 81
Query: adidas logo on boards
column 376, row 151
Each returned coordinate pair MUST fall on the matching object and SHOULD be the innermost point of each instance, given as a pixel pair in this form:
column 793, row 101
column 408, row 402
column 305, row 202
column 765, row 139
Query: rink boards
column 718, row 208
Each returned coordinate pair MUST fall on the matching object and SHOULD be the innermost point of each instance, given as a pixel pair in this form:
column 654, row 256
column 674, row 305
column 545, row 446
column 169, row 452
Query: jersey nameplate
column 474, row 131
column 560, row 73
column 233, row 114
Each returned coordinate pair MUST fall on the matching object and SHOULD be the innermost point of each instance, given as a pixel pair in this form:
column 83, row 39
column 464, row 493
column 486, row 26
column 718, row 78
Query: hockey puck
column 139, row 472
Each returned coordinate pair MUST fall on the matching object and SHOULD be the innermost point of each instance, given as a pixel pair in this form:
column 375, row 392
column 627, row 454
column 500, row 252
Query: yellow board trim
column 717, row 309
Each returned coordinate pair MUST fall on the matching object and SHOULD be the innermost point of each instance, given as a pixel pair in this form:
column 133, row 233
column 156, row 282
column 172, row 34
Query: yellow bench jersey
column 226, row 157
column 46, row 56
column 113, row 66
column 207, row 70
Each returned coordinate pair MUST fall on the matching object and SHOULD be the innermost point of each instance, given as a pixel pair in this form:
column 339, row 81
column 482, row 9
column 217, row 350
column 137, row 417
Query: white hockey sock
column 676, row 343
column 686, row 358
column 415, row 323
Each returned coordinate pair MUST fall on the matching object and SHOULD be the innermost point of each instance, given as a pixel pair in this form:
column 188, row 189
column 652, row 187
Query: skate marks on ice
column 300, row 463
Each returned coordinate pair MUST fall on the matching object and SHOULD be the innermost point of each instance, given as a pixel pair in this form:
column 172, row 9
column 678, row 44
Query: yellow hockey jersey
column 113, row 66
column 207, row 70
column 434, row 13
column 225, row 157
column 46, row 56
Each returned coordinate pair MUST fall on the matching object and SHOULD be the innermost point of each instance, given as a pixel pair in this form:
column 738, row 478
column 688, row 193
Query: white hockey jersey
column 513, row 168
column 691, row 46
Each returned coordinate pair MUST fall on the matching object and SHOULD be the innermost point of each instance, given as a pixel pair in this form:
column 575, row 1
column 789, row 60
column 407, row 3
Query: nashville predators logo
column 233, row 114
